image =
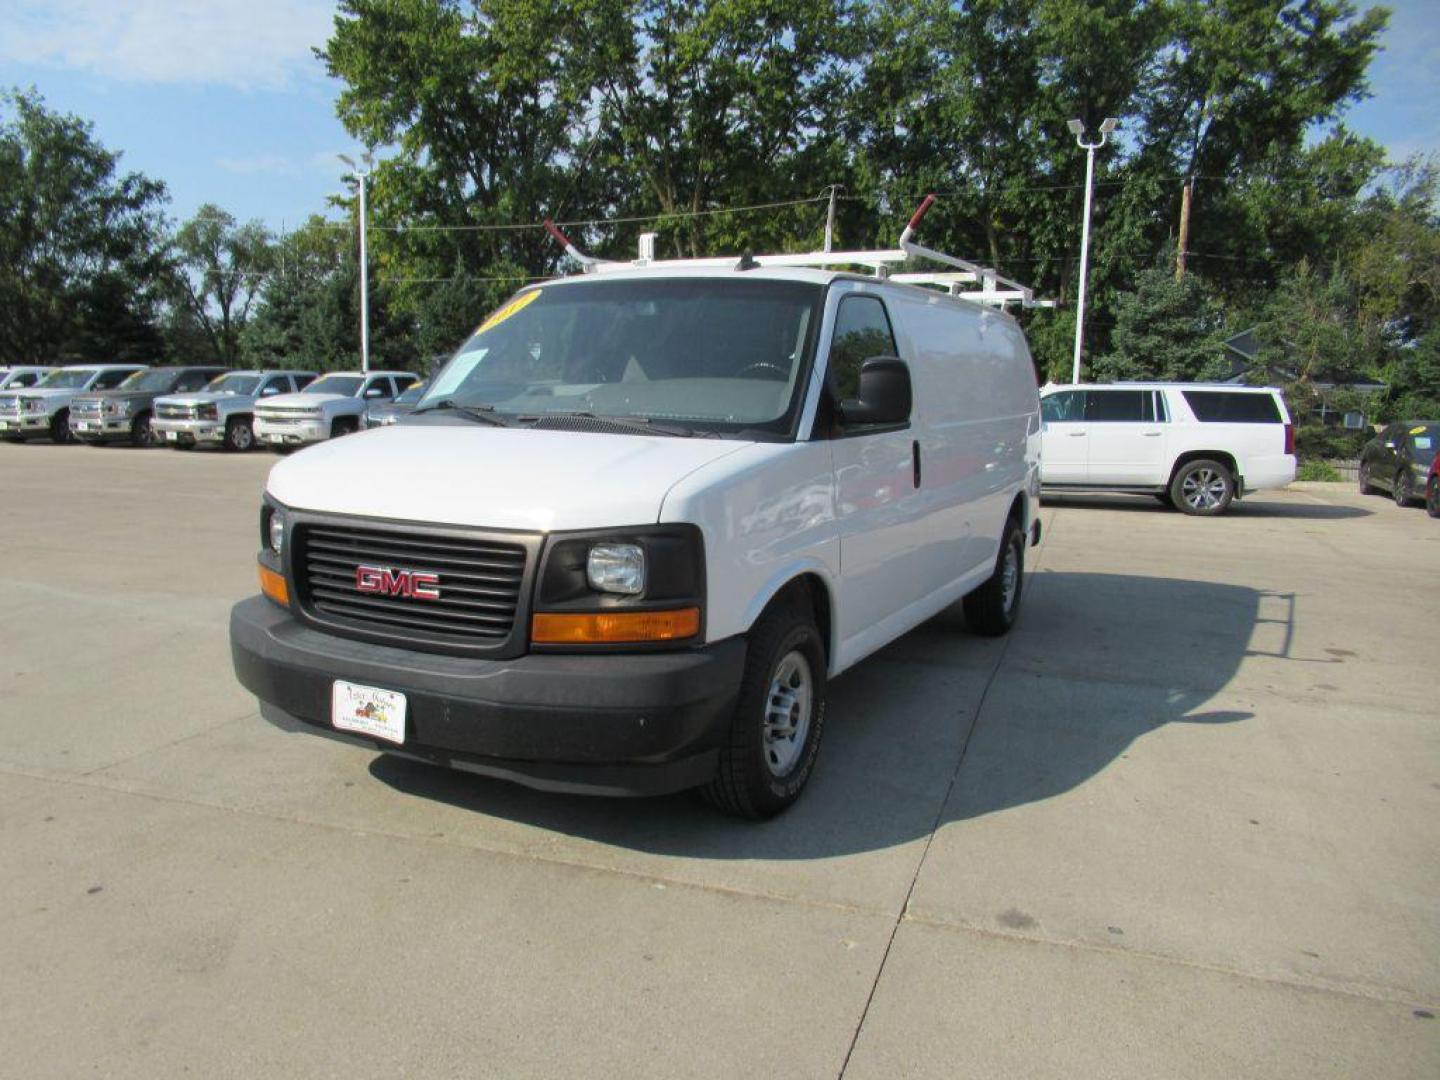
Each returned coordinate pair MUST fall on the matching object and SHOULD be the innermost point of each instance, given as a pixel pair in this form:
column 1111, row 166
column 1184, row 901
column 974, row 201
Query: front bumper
column 290, row 433
column 188, row 431
column 613, row 723
column 26, row 424
column 94, row 429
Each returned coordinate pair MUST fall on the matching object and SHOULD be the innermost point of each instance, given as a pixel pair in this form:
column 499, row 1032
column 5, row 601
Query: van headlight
column 616, row 568
column 640, row 587
column 272, row 529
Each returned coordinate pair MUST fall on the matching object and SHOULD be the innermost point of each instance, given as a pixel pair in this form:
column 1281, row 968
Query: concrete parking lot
column 1184, row 822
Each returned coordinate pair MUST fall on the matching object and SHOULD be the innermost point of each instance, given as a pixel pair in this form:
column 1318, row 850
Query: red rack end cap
column 920, row 211
column 560, row 237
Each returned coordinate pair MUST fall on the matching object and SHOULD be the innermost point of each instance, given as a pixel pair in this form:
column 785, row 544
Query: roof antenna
column 747, row 262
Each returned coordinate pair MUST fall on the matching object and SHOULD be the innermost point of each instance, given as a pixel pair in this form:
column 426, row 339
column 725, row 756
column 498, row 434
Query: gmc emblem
column 389, row 581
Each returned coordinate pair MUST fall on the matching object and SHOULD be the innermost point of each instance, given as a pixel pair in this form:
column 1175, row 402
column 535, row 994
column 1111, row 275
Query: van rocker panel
column 636, row 724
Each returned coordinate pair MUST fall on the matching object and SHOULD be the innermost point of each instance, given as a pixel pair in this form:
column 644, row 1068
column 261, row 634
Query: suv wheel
column 60, row 428
column 141, row 433
column 1203, row 488
column 1401, row 489
column 239, row 435
column 779, row 717
column 1432, row 497
column 991, row 609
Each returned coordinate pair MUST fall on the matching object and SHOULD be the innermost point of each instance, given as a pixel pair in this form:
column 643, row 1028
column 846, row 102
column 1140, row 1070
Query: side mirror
column 374, row 392
column 885, row 395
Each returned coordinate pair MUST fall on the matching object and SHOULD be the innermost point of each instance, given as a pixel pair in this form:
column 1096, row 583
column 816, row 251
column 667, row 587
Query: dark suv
column 125, row 412
column 1398, row 460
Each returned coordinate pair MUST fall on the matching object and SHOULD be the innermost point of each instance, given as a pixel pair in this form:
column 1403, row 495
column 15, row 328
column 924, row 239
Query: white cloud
column 249, row 44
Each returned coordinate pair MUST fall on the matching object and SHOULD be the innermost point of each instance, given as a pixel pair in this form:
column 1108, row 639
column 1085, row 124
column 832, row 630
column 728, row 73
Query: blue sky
column 224, row 101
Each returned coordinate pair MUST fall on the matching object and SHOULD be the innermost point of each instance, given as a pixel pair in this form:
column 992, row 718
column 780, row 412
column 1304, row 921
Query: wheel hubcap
column 242, row 437
column 1203, row 489
column 787, row 713
column 1010, row 577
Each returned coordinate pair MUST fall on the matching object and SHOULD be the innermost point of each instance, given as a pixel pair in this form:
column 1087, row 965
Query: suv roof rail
column 993, row 287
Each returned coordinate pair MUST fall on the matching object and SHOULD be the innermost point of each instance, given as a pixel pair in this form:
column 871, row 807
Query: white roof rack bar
column 994, row 287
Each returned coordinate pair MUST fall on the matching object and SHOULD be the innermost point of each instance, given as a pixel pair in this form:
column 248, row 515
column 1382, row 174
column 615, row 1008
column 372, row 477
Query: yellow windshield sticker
column 521, row 302
column 1418, row 430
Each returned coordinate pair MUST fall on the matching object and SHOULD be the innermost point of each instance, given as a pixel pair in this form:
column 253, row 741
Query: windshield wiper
column 641, row 425
column 482, row 413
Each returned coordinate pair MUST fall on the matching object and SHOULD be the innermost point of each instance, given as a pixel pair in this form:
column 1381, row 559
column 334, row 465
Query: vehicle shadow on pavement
column 1256, row 506
column 1097, row 662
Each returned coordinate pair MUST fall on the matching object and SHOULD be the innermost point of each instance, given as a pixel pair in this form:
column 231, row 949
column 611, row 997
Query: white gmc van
column 640, row 519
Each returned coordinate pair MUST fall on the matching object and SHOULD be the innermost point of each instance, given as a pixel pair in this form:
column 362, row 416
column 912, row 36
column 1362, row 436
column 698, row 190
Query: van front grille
column 410, row 587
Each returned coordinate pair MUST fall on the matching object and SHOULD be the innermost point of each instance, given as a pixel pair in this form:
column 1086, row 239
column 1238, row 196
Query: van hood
column 499, row 478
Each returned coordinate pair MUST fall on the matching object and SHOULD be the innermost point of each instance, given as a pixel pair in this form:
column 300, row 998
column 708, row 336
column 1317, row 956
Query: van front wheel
column 991, row 609
column 779, row 717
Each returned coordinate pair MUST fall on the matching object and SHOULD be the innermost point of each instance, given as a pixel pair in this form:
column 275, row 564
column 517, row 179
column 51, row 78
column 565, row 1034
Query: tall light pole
column 1077, row 128
column 362, row 175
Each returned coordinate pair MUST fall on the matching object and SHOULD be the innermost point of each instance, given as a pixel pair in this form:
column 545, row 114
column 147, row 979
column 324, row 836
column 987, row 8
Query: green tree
column 1167, row 328
column 81, row 244
column 218, row 272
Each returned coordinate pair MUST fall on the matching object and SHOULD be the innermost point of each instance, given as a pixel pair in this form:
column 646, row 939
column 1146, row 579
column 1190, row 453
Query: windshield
column 233, row 384
column 71, row 379
column 716, row 354
column 155, row 379
column 345, row 385
column 1423, row 441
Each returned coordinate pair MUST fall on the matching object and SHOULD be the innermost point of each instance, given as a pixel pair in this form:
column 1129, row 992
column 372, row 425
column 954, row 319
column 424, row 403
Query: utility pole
column 363, row 175
column 830, row 218
column 1077, row 128
column 1186, row 194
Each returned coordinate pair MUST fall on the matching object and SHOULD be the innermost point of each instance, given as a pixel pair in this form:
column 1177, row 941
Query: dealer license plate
column 86, row 425
column 368, row 710
column 173, row 436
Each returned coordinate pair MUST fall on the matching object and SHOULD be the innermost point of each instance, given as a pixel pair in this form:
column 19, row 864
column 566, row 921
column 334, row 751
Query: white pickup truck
column 43, row 410
column 1194, row 446
column 333, row 404
column 223, row 413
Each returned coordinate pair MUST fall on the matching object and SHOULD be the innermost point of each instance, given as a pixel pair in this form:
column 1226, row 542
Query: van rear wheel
column 778, row 720
column 992, row 609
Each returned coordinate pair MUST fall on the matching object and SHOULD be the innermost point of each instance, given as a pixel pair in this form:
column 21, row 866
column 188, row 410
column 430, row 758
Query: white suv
column 1195, row 446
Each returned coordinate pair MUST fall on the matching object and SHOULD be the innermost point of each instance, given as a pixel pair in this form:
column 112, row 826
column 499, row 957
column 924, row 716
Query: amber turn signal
column 614, row 627
column 273, row 585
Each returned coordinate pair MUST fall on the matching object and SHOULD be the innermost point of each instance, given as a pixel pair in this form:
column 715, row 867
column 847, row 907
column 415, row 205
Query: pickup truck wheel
column 346, row 425
column 1203, row 488
column 239, row 435
column 60, row 428
column 1432, row 497
column 992, row 609
column 1401, row 489
column 779, row 717
column 141, row 433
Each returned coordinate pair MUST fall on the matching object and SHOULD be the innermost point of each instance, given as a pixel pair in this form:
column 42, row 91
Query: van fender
column 781, row 579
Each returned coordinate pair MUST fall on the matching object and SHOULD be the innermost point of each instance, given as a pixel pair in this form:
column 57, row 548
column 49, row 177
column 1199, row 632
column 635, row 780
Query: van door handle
column 915, row 457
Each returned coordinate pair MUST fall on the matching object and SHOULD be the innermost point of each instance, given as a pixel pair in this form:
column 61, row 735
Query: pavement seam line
column 98, row 784
column 935, row 825
column 166, row 746
column 1147, row 955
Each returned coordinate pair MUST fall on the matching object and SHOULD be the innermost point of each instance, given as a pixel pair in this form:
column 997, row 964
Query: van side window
column 862, row 330
column 1066, row 406
column 1118, row 406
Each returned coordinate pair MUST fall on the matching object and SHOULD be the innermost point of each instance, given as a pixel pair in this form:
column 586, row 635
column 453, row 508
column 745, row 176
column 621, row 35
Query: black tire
column 1400, row 489
column 748, row 783
column 1432, row 497
column 141, row 433
column 60, row 428
column 991, row 610
column 1202, row 488
column 1366, row 487
column 239, row 435
column 345, row 425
